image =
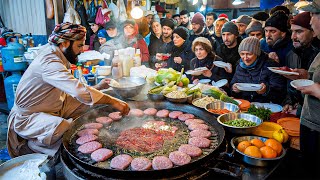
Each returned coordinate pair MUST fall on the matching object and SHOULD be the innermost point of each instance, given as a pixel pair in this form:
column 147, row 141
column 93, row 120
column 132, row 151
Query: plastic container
column 137, row 59
column 12, row 57
column 10, row 85
column 116, row 66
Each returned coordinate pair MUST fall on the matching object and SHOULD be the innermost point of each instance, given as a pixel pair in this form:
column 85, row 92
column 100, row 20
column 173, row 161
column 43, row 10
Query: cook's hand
column 263, row 89
column 103, row 84
column 313, row 90
column 177, row 60
column 235, row 88
column 159, row 56
column 274, row 56
column 207, row 73
column 121, row 106
column 286, row 108
column 228, row 69
column 303, row 74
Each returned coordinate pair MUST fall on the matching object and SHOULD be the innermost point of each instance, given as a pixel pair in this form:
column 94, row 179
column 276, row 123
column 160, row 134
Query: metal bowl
column 252, row 160
column 221, row 105
column 177, row 100
column 129, row 86
column 156, row 97
column 239, row 130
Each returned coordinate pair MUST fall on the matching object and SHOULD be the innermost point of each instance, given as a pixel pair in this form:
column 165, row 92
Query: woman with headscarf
column 181, row 53
column 205, row 57
column 49, row 98
column 253, row 68
column 132, row 38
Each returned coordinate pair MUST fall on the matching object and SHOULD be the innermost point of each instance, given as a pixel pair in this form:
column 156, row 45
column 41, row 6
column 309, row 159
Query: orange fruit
column 274, row 144
column 268, row 152
column 257, row 142
column 253, row 151
column 243, row 145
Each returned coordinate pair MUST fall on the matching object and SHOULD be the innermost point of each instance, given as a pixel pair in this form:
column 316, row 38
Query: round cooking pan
column 175, row 171
column 252, row 160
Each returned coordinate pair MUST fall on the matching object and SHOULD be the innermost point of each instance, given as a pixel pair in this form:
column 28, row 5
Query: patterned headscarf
column 67, row 32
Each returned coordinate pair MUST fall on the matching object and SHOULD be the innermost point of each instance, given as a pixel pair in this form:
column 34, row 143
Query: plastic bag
column 71, row 15
column 122, row 11
column 115, row 10
column 103, row 14
column 92, row 10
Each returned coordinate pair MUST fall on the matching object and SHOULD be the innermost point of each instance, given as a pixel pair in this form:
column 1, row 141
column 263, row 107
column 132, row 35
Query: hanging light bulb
column 136, row 12
column 237, row 2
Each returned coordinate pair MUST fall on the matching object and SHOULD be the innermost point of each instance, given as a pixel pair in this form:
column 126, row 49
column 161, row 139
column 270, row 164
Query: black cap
column 110, row 24
column 167, row 22
column 182, row 32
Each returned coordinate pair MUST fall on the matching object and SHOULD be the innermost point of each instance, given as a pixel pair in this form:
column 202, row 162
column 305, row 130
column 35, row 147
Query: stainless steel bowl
column 129, row 86
column 252, row 160
column 239, row 130
column 221, row 105
column 177, row 100
column 156, row 97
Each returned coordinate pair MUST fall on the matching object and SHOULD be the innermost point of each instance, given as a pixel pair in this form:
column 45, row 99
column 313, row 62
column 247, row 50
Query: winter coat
column 104, row 49
column 276, row 84
column 186, row 54
column 159, row 46
column 217, row 73
column 205, row 34
column 281, row 48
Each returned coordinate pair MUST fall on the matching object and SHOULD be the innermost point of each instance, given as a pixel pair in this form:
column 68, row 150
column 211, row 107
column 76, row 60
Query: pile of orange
column 271, row 148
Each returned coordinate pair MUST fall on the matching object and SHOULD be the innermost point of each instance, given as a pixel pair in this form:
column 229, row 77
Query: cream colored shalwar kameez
column 48, row 99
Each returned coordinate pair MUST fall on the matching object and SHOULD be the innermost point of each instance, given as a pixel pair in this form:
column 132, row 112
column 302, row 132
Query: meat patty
column 121, row 161
column 115, row 116
column 93, row 126
column 191, row 150
column 194, row 126
column 179, row 158
column 86, row 138
column 175, row 114
column 184, row 117
column 89, row 147
column 84, row 132
column 200, row 142
column 101, row 154
column 136, row 112
column 141, row 164
column 200, row 133
column 161, row 162
column 163, row 113
column 189, row 121
column 150, row 111
column 104, row 120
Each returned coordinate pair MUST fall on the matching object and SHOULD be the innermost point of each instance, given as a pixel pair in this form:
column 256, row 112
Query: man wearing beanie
column 181, row 53
column 253, row 68
column 255, row 29
column 199, row 29
column 228, row 50
column 185, row 19
column 164, row 44
column 242, row 22
column 301, row 56
column 277, row 42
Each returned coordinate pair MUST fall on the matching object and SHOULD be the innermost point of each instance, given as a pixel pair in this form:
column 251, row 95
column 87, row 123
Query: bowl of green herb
column 261, row 112
column 239, row 123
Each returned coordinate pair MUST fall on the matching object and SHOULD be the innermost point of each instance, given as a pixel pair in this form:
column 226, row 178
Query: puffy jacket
column 281, row 48
column 276, row 84
column 158, row 46
column 186, row 55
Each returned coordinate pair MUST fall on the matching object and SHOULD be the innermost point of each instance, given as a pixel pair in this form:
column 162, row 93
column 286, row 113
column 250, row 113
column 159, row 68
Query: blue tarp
column 268, row 4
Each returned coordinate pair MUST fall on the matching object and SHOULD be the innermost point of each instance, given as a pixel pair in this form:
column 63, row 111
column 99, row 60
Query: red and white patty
column 194, row 126
column 86, row 138
column 115, row 116
column 150, row 111
column 136, row 112
column 104, row 120
column 161, row 162
column 200, row 133
column 121, row 161
column 84, row 132
column 93, row 126
column 175, row 114
column 101, row 154
column 163, row 113
column 191, row 150
column 141, row 164
column 89, row 147
column 199, row 142
column 179, row 158
column 184, row 117
column 189, row 121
